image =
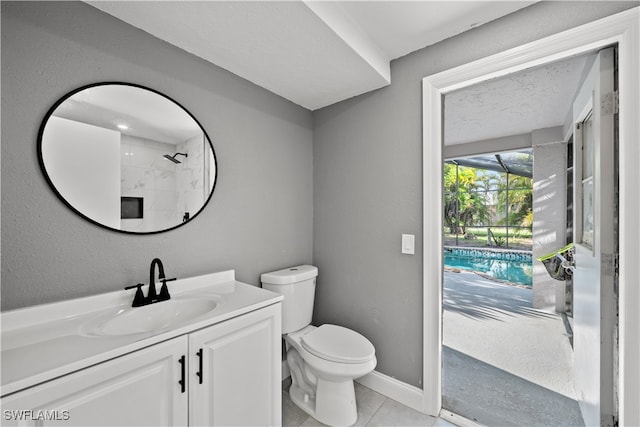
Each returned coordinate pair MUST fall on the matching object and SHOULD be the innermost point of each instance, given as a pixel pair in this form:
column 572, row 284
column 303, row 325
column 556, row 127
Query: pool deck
column 504, row 363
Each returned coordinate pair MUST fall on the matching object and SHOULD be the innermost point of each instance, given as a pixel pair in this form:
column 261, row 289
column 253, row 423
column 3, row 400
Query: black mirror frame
column 57, row 193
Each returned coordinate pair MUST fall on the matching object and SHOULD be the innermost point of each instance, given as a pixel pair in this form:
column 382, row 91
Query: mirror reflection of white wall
column 79, row 149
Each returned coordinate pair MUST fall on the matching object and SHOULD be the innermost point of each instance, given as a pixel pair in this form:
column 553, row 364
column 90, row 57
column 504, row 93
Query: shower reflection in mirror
column 127, row 158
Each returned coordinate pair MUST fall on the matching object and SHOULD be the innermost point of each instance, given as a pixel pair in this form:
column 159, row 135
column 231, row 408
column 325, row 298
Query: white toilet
column 323, row 360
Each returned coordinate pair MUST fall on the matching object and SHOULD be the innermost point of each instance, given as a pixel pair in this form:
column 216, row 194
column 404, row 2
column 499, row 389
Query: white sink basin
column 154, row 317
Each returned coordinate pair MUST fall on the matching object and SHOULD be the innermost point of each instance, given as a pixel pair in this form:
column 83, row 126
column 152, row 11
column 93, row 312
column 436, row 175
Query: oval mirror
column 127, row 158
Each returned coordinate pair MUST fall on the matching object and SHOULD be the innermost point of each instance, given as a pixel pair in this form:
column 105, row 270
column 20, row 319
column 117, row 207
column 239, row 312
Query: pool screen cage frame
column 519, row 163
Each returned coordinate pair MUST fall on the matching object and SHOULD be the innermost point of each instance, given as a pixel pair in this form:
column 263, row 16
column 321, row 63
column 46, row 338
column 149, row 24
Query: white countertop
column 43, row 342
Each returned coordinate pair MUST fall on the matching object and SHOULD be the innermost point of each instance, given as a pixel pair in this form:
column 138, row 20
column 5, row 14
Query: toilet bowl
column 323, row 360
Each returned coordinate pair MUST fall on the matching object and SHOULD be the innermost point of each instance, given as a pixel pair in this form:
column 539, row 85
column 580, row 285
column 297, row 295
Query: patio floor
column 505, row 363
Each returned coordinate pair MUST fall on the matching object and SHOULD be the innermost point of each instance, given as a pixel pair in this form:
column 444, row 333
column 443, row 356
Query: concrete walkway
column 504, row 363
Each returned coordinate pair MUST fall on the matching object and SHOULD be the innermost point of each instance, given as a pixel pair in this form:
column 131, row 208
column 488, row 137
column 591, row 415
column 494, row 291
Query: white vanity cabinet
column 237, row 365
column 140, row 388
column 231, row 376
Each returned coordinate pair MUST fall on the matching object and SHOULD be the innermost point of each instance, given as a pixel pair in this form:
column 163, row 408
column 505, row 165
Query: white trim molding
column 392, row 388
column 622, row 29
column 387, row 386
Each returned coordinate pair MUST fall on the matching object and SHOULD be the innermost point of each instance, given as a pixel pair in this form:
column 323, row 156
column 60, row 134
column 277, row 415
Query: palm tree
column 520, row 201
column 465, row 201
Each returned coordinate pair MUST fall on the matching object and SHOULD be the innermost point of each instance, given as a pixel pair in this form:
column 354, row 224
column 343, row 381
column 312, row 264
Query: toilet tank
column 298, row 285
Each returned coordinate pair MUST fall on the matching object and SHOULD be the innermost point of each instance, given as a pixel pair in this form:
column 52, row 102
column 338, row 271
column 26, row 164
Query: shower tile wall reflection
column 191, row 176
column 170, row 190
column 147, row 174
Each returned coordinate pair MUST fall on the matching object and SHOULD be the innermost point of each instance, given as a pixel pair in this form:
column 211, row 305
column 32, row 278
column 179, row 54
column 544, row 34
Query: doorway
column 507, row 357
column 618, row 28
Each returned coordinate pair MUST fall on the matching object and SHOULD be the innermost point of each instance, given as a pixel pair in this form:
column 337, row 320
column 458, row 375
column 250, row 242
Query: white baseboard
column 390, row 387
column 394, row 389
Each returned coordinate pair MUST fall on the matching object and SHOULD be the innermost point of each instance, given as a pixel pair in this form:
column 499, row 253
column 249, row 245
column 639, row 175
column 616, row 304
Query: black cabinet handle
column 183, row 369
column 199, row 373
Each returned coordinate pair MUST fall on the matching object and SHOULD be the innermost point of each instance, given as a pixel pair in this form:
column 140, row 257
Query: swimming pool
column 514, row 267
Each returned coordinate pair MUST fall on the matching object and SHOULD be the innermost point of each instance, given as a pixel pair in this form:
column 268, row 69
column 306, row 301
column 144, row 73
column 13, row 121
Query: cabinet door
column 240, row 362
column 140, row 388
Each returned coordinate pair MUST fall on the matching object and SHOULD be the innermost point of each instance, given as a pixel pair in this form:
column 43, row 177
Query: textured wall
column 368, row 191
column 259, row 218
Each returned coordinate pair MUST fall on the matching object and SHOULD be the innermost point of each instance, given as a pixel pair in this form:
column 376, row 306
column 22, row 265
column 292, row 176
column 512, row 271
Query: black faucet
column 152, row 296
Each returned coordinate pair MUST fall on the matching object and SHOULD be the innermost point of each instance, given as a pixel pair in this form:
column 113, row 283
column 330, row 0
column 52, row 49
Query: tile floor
column 374, row 409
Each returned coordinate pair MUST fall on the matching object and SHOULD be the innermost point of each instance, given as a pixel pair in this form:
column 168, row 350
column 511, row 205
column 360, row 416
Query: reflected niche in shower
column 127, row 158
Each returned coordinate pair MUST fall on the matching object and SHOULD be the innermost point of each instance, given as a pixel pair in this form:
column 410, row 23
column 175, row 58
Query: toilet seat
column 338, row 344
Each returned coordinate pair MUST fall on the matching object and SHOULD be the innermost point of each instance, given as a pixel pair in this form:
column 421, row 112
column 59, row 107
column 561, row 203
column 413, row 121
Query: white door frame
column 623, row 29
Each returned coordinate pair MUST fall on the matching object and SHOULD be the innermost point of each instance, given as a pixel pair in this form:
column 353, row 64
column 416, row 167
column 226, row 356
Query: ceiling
column 132, row 111
column 313, row 53
column 317, row 53
column 518, row 103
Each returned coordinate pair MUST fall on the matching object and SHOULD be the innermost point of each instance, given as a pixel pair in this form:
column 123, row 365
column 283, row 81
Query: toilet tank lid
column 289, row 275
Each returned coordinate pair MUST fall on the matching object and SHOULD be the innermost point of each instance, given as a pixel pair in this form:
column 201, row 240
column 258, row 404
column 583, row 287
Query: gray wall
column 259, row 218
column 368, row 186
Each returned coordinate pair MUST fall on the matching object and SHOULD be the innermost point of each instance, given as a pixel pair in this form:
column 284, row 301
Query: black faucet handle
column 138, row 299
column 164, row 290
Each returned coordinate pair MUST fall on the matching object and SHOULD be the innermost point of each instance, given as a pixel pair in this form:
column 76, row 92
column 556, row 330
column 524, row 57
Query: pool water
column 504, row 269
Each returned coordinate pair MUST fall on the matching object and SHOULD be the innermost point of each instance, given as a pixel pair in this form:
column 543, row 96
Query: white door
column 139, row 389
column 235, row 377
column 595, row 242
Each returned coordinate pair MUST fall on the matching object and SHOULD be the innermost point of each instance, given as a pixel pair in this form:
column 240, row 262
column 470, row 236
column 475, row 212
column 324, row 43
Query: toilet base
column 334, row 403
